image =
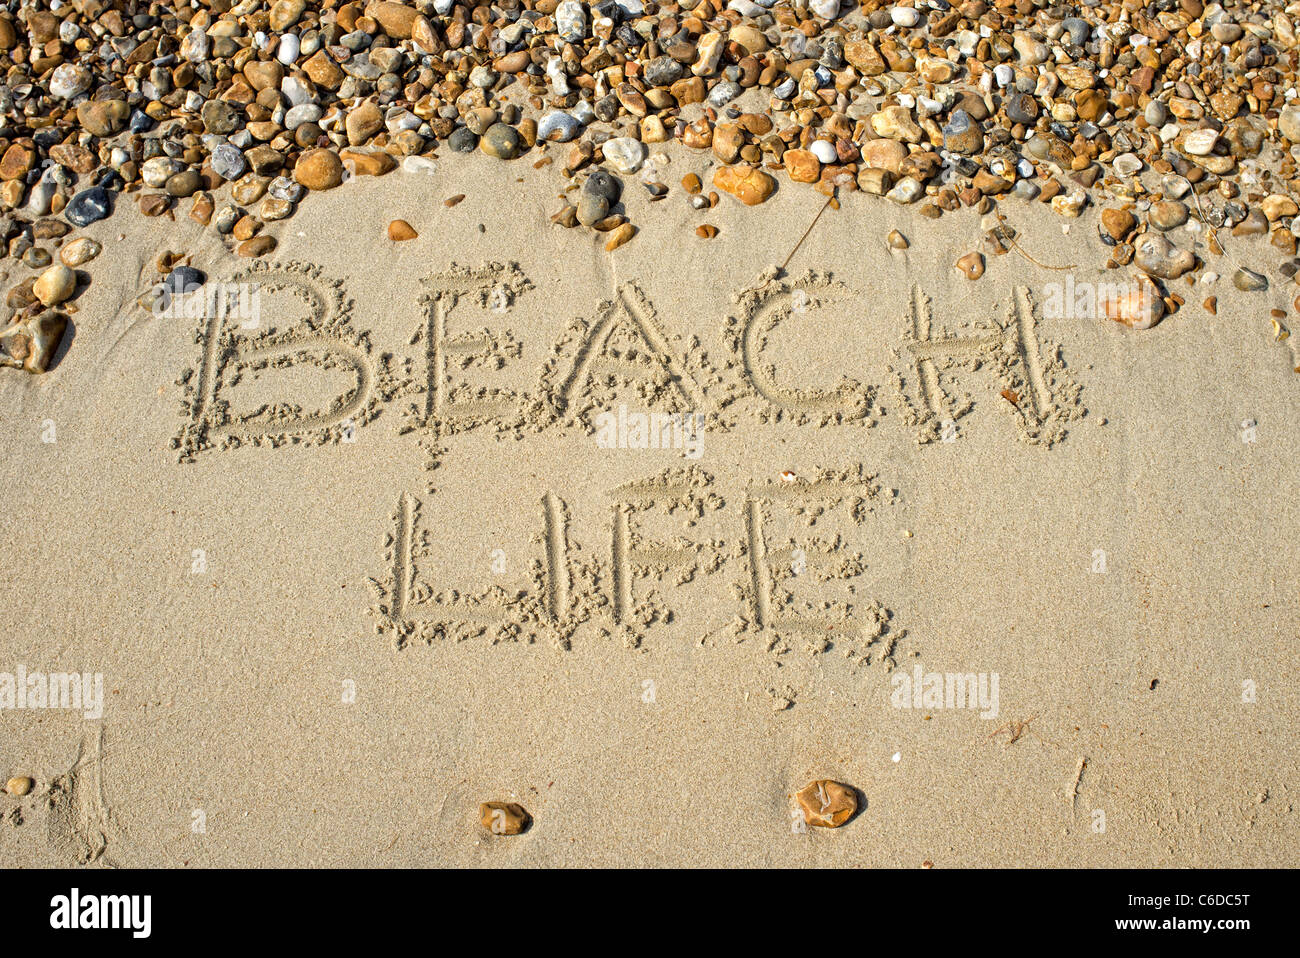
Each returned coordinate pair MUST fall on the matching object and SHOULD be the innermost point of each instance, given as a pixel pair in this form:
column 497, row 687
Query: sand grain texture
column 428, row 587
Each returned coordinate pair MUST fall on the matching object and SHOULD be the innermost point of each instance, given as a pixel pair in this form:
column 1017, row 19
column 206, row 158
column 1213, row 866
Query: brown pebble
column 201, row 211
column 453, row 200
column 619, row 237
column 257, row 246
column 897, row 240
column 246, row 227
column 707, row 231
column 1211, row 305
column 691, row 183
column 155, row 204
column 400, row 230
column 19, row 785
column 827, row 804
column 503, row 818
column 972, row 264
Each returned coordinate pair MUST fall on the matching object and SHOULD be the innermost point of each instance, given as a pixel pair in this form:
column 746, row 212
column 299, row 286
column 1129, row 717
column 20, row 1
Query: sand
column 338, row 600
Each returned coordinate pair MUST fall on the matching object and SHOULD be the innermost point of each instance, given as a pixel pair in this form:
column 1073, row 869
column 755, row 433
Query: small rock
column 603, row 184
column 802, row 165
column 502, row 141
column 1288, row 122
column 80, row 251
column 624, row 153
column 19, row 785
column 825, row 803
column 1117, row 224
column 592, row 208
column 504, row 818
column 399, row 231
column 1167, row 215
column 1244, row 279
column 55, row 285
column 257, row 246
column 1200, row 142
column 227, row 161
column 89, row 206
column 897, row 240
column 972, row 264
column 1138, row 307
column 962, row 134
column 103, row 117
column 620, row 236
column 1156, row 256
column 748, row 184
column 319, row 169
column 906, row 190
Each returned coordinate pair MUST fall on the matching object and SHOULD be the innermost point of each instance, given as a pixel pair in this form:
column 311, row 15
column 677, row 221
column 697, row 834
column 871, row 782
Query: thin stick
column 807, row 231
column 1017, row 247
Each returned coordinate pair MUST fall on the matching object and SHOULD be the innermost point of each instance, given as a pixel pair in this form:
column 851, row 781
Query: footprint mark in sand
column 80, row 822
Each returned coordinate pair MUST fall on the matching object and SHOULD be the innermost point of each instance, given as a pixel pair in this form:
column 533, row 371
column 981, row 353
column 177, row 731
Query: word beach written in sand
column 784, row 585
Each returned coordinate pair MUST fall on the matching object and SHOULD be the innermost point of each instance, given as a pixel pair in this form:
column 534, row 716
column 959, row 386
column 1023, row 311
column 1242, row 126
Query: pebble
column 1138, row 307
column 1167, row 215
column 624, row 153
column 319, row 169
column 824, row 150
column 1249, row 281
column 504, row 818
column 399, row 231
column 1117, row 224
column 826, row 803
column 748, row 184
column 256, row 246
column 972, row 264
column 1288, row 122
column 184, row 279
column 906, row 190
column 620, row 235
column 502, row 141
column 19, row 785
column 79, row 252
column 603, row 184
column 592, row 208
column 570, row 20
column 55, row 285
column 462, row 140
column 962, row 134
column 906, row 17
column 897, row 240
column 1155, row 255
column 1156, row 113
column 559, row 127
column 1200, row 142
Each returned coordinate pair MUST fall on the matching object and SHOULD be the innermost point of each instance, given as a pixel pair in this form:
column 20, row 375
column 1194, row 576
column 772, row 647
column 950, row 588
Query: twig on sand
column 1014, row 731
column 1020, row 249
column 829, row 199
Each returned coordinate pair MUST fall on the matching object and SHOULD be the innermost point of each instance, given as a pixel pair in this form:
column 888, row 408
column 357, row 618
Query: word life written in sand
column 625, row 349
